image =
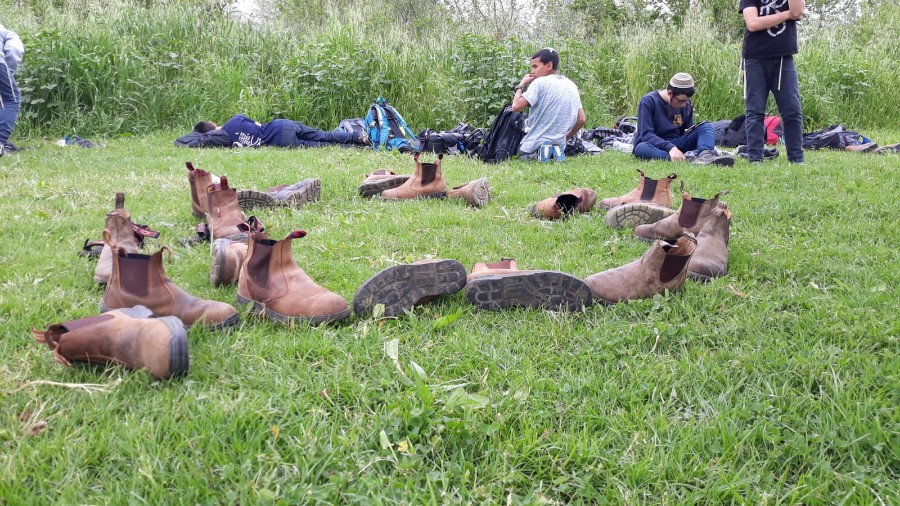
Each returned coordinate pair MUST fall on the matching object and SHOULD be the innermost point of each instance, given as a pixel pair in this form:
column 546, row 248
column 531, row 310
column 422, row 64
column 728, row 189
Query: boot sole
column 400, row 287
column 309, row 194
column 261, row 309
column 179, row 357
column 481, row 193
column 228, row 322
column 251, row 199
column 436, row 195
column 639, row 213
column 542, row 289
column 374, row 188
column 217, row 269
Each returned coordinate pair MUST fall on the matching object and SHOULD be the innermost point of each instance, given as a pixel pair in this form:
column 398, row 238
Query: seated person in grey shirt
column 555, row 108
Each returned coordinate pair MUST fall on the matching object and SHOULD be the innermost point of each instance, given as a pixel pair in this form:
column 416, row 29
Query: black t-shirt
column 780, row 40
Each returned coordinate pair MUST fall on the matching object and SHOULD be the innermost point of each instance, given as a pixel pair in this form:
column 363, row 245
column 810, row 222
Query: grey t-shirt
column 554, row 103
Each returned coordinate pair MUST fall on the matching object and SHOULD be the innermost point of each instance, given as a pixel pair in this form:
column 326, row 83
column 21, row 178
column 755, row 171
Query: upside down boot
column 710, row 259
column 124, row 233
column 130, row 337
column 427, row 182
column 690, row 217
column 401, row 287
column 562, row 205
column 501, row 284
column 199, row 181
column 296, row 195
column 662, row 268
column 280, row 290
column 140, row 280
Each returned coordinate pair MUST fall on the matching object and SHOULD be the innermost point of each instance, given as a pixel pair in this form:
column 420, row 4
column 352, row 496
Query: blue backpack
column 387, row 129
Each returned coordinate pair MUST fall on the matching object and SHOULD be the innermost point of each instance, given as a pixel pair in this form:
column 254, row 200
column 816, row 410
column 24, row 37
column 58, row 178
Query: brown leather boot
column 651, row 191
column 427, row 182
column 401, row 287
column 691, row 217
column 139, row 280
column 562, row 205
column 477, row 193
column 124, row 233
column 296, row 195
column 199, row 181
column 129, row 337
column 662, row 268
column 271, row 280
column 710, row 259
column 501, row 284
column 379, row 181
column 228, row 255
column 224, row 216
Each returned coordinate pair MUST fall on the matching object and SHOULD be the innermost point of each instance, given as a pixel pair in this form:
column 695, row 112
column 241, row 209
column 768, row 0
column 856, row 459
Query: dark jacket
column 212, row 139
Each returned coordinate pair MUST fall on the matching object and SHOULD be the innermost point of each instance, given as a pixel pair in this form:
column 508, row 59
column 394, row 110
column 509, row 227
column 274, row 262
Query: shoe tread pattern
column 401, row 286
column 638, row 213
column 542, row 289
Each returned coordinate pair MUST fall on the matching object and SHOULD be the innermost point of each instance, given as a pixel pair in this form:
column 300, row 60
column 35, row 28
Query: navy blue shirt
column 658, row 122
column 778, row 41
column 245, row 133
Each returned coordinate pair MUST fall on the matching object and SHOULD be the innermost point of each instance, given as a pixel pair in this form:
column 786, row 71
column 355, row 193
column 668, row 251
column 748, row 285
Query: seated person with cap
column 666, row 129
column 243, row 132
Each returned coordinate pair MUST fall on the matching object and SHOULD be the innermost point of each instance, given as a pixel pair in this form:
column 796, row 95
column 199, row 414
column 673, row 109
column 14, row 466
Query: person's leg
column 755, row 96
column 10, row 101
column 700, row 139
column 647, row 151
column 308, row 135
column 788, row 100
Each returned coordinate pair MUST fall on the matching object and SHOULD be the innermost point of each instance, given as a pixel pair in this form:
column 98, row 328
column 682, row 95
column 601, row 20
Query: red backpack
column 774, row 130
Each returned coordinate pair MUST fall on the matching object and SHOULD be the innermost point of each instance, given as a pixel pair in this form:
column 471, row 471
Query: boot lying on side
column 650, row 191
column 690, row 217
column 662, row 268
column 428, row 182
column 379, row 181
column 401, row 287
column 124, row 233
column 280, row 290
column 199, row 180
column 710, row 259
column 296, row 195
column 477, row 193
column 228, row 255
column 563, row 205
column 501, row 284
column 140, row 280
column 130, row 337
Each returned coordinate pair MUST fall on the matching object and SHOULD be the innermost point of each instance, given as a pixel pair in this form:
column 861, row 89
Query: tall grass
column 148, row 66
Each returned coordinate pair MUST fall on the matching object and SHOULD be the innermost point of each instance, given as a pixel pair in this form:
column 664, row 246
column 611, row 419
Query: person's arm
column 688, row 120
column 756, row 23
column 796, row 8
column 647, row 128
column 579, row 122
column 519, row 102
column 11, row 48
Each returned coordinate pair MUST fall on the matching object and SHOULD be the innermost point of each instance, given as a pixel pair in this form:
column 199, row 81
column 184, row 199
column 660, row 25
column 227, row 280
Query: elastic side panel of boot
column 133, row 274
column 690, row 210
column 258, row 265
column 672, row 266
column 429, row 173
column 649, row 189
column 567, row 203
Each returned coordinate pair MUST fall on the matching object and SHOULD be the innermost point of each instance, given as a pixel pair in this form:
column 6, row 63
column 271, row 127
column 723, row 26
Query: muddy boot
column 662, row 268
column 199, row 181
column 501, row 284
column 224, row 216
column 130, row 337
column 690, row 217
column 139, row 280
column 427, row 182
column 477, row 193
column 124, row 233
column 379, row 181
column 271, row 280
column 401, row 287
column 650, row 191
column 710, row 259
column 563, row 205
column 296, row 195
column 228, row 254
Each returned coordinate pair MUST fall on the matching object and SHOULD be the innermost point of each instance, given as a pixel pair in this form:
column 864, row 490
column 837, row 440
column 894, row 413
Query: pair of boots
column 563, row 205
column 296, row 195
column 649, row 202
column 489, row 286
column 427, row 182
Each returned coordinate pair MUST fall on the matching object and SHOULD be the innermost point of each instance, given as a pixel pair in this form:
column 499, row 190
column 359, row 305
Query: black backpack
column 503, row 139
column 832, row 137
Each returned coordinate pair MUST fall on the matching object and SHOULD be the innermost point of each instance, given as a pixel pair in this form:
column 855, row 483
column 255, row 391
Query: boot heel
column 179, row 356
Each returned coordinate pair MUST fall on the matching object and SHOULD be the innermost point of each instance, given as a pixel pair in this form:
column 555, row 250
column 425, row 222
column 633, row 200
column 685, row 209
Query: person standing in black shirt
column 770, row 43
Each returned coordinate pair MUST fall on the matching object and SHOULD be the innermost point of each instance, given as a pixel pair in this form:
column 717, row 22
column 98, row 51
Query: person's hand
column 526, row 80
column 795, row 10
column 676, row 155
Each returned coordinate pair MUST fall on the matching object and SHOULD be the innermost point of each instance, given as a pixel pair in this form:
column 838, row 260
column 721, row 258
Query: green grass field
column 778, row 383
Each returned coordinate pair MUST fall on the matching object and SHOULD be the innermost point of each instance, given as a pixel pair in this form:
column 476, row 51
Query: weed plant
column 141, row 67
column 776, row 383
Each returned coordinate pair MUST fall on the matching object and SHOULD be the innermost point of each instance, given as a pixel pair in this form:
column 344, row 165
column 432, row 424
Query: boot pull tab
column 416, row 157
column 296, row 234
column 723, row 192
column 681, row 188
column 120, row 200
column 142, row 231
column 640, row 172
column 190, row 166
column 168, row 252
column 223, row 183
column 253, row 225
column 673, row 176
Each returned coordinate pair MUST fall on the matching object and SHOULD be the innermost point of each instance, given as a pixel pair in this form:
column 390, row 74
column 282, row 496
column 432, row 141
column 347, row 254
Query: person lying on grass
column 243, row 132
